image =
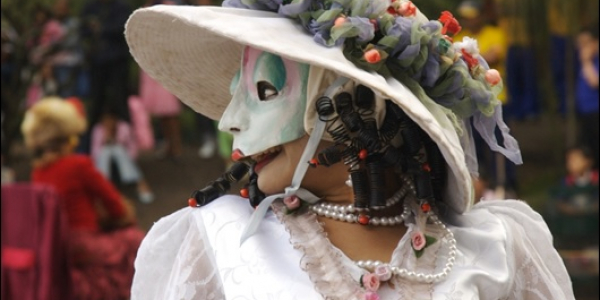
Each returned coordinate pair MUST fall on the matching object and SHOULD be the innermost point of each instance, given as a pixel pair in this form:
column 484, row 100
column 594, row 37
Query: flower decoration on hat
column 392, row 38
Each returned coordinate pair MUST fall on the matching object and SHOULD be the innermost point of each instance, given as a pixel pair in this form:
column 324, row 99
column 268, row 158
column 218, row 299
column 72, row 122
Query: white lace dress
column 504, row 252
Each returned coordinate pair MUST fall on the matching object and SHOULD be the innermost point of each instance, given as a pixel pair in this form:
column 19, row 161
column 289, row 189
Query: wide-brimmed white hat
column 195, row 51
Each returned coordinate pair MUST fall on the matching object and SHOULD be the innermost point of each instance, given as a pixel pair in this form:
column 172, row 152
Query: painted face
column 268, row 104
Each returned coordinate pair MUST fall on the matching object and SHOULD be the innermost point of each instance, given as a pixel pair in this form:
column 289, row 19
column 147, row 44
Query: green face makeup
column 268, row 104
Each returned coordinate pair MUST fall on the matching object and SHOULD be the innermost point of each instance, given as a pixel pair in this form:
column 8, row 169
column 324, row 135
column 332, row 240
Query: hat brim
column 195, row 51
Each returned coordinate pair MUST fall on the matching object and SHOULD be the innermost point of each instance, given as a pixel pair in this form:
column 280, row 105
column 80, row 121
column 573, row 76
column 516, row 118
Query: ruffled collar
column 336, row 276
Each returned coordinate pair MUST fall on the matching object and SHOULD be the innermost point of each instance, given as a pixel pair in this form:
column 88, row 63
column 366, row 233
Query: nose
column 235, row 119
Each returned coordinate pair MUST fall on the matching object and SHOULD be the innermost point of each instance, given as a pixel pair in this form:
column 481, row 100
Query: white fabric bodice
column 504, row 252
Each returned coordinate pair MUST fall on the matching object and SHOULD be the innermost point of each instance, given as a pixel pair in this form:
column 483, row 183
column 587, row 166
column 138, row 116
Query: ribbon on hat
column 294, row 188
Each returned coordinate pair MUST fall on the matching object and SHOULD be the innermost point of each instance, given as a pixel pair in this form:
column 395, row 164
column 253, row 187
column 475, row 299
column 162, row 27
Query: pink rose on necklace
column 291, row 202
column 418, row 240
column 383, row 272
column 371, row 296
column 370, row 282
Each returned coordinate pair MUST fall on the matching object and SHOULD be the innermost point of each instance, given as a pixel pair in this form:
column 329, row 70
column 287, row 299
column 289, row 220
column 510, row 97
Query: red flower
column 372, row 56
column 451, row 25
column 407, row 9
column 469, row 59
column 392, row 11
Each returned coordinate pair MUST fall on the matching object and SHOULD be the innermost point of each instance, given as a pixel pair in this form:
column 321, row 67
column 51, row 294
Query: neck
column 360, row 242
column 351, row 238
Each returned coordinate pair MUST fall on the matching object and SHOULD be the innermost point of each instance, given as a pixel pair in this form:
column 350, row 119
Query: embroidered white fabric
column 504, row 252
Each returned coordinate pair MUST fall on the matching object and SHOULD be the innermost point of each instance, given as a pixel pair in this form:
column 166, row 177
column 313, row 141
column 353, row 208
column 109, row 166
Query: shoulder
column 512, row 221
column 176, row 225
column 506, row 250
column 179, row 246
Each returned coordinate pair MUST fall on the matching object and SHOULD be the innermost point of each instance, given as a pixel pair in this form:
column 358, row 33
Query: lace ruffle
column 325, row 265
column 336, row 277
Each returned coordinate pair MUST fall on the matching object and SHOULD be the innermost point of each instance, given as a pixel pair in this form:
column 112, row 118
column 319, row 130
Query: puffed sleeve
column 175, row 261
column 536, row 269
column 504, row 251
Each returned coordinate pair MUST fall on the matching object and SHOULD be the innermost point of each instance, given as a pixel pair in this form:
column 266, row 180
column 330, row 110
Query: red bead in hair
column 363, row 154
column 425, row 207
column 244, row 193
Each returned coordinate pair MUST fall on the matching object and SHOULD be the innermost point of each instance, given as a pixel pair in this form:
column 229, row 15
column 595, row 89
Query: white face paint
column 268, row 104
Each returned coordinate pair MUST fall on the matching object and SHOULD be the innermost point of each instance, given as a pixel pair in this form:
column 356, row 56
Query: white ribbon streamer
column 294, row 189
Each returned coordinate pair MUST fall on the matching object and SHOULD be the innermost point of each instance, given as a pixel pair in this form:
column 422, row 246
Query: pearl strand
column 344, row 213
column 417, row 276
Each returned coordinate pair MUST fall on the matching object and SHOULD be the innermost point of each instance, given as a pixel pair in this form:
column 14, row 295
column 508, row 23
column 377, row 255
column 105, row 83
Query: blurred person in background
column 163, row 105
column 102, row 240
column 521, row 77
column 578, row 191
column 42, row 40
column 43, row 84
column 587, row 89
column 113, row 142
column 572, row 212
column 491, row 41
column 43, row 36
column 68, row 60
column 103, row 22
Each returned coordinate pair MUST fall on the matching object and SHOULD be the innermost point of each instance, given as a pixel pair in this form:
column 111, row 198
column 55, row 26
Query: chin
column 271, row 166
column 276, row 175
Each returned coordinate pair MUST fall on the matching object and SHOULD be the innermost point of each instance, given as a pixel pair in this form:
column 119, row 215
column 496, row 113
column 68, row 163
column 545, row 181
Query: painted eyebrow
column 271, row 68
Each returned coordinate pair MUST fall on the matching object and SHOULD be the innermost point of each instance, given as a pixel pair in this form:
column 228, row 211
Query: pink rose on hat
column 493, row 77
column 407, row 9
column 372, row 56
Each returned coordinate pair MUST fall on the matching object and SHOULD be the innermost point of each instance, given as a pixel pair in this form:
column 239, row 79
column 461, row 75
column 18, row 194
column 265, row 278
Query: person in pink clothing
column 162, row 104
column 165, row 106
column 113, row 141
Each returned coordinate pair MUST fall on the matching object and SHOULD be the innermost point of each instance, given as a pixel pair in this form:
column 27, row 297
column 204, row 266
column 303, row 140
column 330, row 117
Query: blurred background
column 546, row 50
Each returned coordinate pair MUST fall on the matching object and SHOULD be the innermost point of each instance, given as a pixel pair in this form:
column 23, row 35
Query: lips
column 265, row 160
column 260, row 160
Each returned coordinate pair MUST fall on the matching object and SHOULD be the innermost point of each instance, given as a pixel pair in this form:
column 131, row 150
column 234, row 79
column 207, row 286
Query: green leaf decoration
column 429, row 240
column 419, row 253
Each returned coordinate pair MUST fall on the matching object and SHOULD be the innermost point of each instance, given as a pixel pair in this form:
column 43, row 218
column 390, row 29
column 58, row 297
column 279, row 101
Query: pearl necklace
column 417, row 276
column 345, row 212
